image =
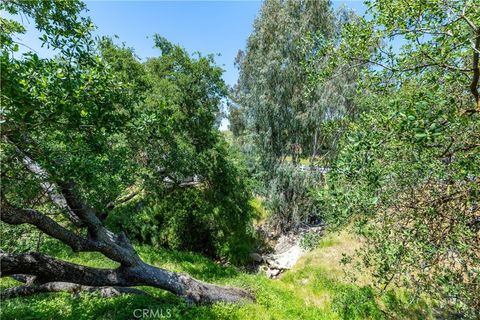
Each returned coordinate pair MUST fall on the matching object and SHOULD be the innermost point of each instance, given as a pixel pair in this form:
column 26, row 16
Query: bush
column 185, row 219
column 357, row 303
column 289, row 199
column 310, row 240
column 405, row 177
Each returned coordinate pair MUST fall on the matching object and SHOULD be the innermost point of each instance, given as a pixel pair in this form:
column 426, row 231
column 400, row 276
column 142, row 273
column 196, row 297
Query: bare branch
column 470, row 23
column 113, row 204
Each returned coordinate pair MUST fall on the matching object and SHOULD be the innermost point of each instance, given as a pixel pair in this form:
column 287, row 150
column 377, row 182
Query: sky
column 218, row 27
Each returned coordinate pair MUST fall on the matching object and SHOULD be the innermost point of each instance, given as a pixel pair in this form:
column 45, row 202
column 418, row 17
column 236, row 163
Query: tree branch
column 48, row 269
column 476, row 71
column 112, row 204
column 28, row 290
column 25, row 278
column 50, row 189
column 15, row 216
column 132, row 271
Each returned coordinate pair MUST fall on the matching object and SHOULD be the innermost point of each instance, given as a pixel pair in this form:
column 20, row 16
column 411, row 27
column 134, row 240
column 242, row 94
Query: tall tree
column 278, row 117
column 185, row 163
column 271, row 91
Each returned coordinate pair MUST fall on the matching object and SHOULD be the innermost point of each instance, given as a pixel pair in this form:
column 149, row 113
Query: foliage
column 65, row 112
column 310, row 240
column 204, row 219
column 407, row 172
column 289, row 199
column 276, row 119
column 178, row 143
column 269, row 100
column 388, row 97
column 310, row 291
column 97, row 116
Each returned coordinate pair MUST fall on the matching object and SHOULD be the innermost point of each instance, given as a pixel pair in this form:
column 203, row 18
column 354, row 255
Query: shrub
column 289, row 199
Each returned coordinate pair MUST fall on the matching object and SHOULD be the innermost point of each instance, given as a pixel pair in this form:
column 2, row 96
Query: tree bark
column 476, row 69
column 47, row 274
column 28, row 290
column 47, row 269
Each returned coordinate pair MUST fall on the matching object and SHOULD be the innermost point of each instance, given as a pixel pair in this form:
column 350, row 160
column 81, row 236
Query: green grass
column 314, row 289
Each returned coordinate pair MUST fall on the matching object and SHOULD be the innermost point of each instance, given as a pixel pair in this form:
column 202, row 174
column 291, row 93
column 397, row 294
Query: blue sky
column 207, row 26
column 218, row 27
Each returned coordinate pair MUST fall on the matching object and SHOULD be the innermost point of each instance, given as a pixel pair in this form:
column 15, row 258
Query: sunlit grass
column 304, row 161
column 315, row 288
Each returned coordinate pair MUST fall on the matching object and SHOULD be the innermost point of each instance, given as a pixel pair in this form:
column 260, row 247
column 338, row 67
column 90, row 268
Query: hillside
column 316, row 288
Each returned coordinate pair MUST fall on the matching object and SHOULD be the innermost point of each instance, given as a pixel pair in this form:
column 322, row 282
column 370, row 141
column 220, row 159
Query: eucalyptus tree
column 271, row 96
column 278, row 117
column 68, row 154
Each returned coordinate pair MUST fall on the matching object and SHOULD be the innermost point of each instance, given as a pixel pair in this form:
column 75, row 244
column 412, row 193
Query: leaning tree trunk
column 43, row 273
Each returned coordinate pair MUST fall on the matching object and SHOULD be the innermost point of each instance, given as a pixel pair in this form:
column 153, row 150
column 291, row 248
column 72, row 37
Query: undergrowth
column 315, row 289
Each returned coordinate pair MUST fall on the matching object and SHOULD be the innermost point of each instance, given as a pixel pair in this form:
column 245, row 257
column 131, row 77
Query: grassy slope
column 314, row 289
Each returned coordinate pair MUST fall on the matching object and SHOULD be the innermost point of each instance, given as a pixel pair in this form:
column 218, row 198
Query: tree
column 277, row 116
column 408, row 167
column 194, row 195
column 65, row 124
column 271, row 91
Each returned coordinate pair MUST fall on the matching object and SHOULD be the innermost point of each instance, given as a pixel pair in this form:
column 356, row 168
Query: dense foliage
column 269, row 100
column 196, row 194
column 289, row 200
column 408, row 169
column 277, row 120
column 388, row 102
column 95, row 115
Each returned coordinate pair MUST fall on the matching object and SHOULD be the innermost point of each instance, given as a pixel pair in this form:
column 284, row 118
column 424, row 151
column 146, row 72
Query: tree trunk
column 48, row 270
column 47, row 274
column 28, row 290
